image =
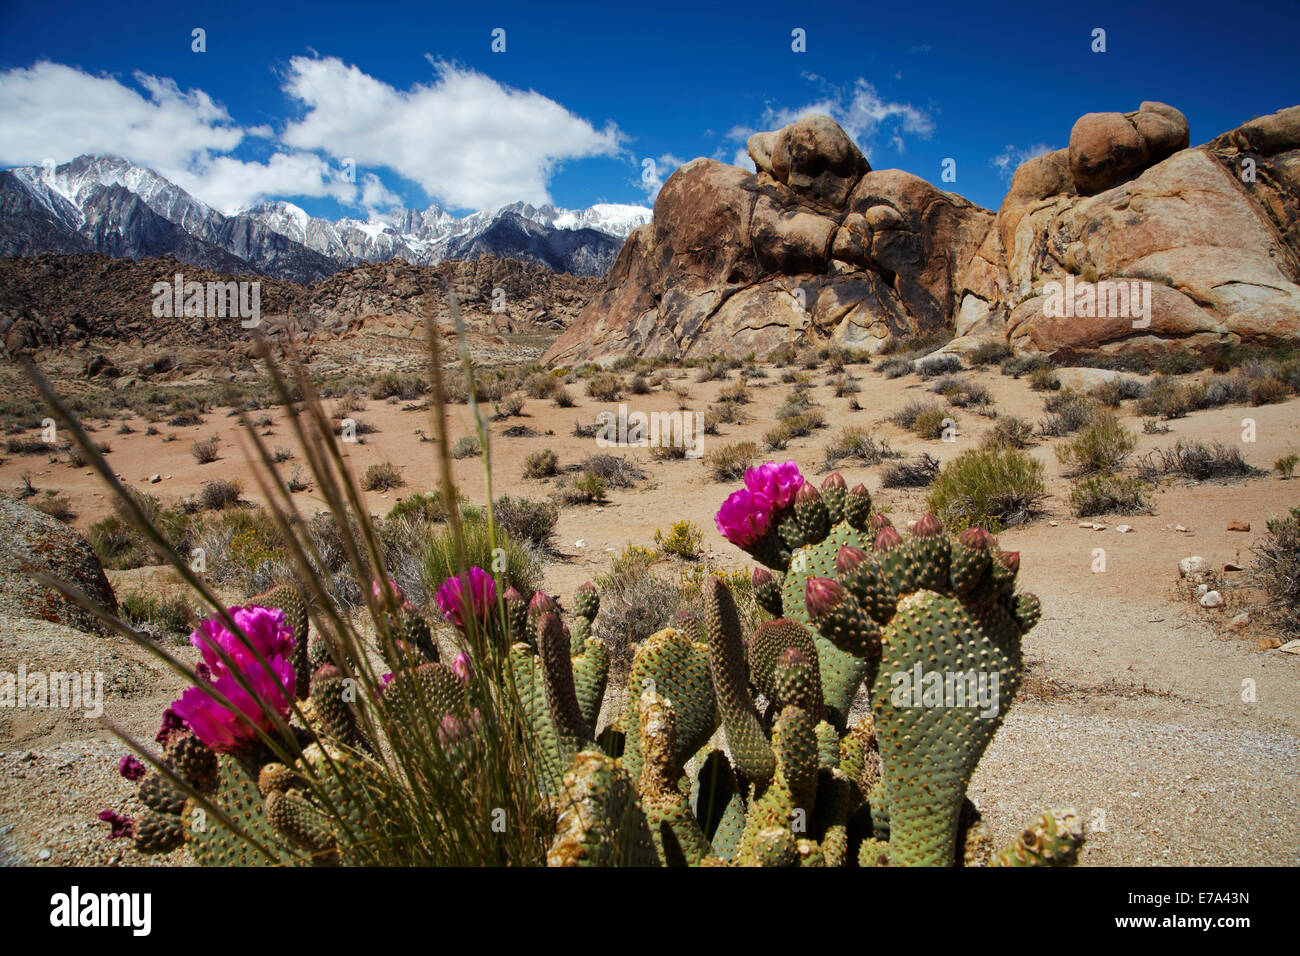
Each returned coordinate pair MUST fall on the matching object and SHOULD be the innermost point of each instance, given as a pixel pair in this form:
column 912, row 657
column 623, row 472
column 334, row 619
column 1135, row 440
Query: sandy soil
column 1133, row 713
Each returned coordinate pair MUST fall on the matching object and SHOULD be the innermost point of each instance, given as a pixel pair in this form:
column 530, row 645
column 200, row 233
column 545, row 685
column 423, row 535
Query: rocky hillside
column 816, row 247
column 52, row 302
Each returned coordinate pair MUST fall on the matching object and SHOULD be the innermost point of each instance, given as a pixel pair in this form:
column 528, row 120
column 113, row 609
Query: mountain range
column 109, row 205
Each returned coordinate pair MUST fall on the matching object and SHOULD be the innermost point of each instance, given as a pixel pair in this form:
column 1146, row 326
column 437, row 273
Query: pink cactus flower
column 467, row 595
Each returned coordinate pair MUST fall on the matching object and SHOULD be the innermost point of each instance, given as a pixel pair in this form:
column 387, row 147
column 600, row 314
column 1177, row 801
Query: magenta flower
column 777, row 483
column 219, row 727
column 122, row 826
column 467, row 595
column 461, row 666
column 130, row 767
column 744, row 517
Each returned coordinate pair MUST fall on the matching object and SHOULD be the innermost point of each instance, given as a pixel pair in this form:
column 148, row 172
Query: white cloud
column 229, row 184
column 863, row 113
column 468, row 140
column 1007, row 161
column 56, row 111
column 376, row 197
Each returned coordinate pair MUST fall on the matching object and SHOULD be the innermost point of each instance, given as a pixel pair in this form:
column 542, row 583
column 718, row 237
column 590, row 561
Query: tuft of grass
column 1285, row 465
column 1100, row 447
column 1275, row 570
column 1068, row 411
column 174, row 615
column 219, row 493
column 1044, row 380
column 990, row 487
column 1197, row 461
column 1117, row 390
column 382, row 476
column 541, row 464
column 524, row 519
column 466, row 447
column 990, row 353
column 1109, row 494
column 205, row 451
column 1010, row 431
column 858, row 444
column 586, row 489
column 730, row 461
column 920, row 472
column 605, row 387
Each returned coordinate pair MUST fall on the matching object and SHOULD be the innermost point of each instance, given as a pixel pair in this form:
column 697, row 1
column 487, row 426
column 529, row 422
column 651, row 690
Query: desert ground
column 1134, row 711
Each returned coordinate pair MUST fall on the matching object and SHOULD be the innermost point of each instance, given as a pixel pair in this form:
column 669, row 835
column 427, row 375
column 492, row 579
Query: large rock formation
column 815, row 247
column 31, row 541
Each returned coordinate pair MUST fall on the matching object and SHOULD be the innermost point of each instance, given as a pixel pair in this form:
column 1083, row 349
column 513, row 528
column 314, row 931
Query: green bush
column 382, row 476
column 1010, row 431
column 605, row 387
column 527, row 520
column 991, row 487
column 1100, row 447
column 541, row 464
column 1275, row 570
column 520, row 566
column 427, row 507
column 683, row 539
column 930, row 423
column 730, row 461
column 859, row 444
column 172, row 614
column 1109, row 494
column 466, row 447
column 1285, row 465
column 990, row 353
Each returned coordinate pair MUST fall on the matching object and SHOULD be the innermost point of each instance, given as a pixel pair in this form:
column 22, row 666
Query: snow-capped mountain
column 107, row 204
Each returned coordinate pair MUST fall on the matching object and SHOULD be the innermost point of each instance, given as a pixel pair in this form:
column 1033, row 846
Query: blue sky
column 584, row 94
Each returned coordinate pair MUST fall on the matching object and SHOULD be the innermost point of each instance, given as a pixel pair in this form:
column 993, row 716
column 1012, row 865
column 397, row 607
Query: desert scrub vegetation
column 1109, row 494
column 519, row 564
column 1044, row 380
column 524, row 519
column 1195, row 461
column 617, row 471
column 508, row 406
column 1113, row 393
column 919, row 472
column 563, row 398
column 1165, row 398
column 797, row 425
column 938, row 365
column 730, row 461
column 735, row 393
column 1099, row 448
column 55, row 505
column 605, row 387
column 382, row 476
column 927, row 419
column 428, row 507
column 856, row 443
column 1010, row 431
column 1067, row 412
column 962, row 393
column 397, row 385
column 993, row 488
column 542, row 463
column 1025, row 365
column 584, row 489
column 1275, row 570
column 1285, row 466
column 989, row 353
column 467, row 446
column 893, row 367
column 172, row 615
column 683, row 540
column 217, row 494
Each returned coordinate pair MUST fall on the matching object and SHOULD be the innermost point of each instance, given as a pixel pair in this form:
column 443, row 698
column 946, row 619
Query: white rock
column 1202, row 590
column 1190, row 565
column 1211, row 599
column 1086, row 524
column 1179, row 527
column 1241, row 620
column 580, row 543
column 1124, row 528
column 1053, row 524
column 154, row 479
column 1291, row 647
column 44, row 855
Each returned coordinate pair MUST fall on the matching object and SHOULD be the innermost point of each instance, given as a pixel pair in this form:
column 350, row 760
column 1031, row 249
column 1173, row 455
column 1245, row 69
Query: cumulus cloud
column 859, row 108
column 54, row 111
column 468, row 140
column 1007, row 161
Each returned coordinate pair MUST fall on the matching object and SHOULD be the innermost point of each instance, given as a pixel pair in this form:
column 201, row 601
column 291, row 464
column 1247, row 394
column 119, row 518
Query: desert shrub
column 906, row 416
column 583, row 490
column 920, row 472
column 1268, row 391
column 382, row 476
column 1109, row 494
column 468, row 447
column 683, row 539
column 737, row 393
column 526, row 520
column 990, row 353
column 990, row 487
column 801, row 424
column 1100, row 447
column 509, row 406
column 298, row 480
column 520, row 565
column 205, row 451
column 184, row 420
column 242, row 549
column 605, row 387
column 174, row 615
column 428, row 507
column 1196, row 461
column 1114, row 392
column 961, row 393
column 846, row 385
column 541, row 464
column 1044, row 380
column 639, row 385
column 930, row 424
column 1068, row 411
column 615, row 470
column 938, row 365
column 782, row 355
column 1285, row 465
column 563, row 398
column 894, row 367
column 1165, row 398
column 1275, row 570
column 396, row 385
column 541, row 385
column 711, row 372
column 682, row 395
column 1025, row 365
column 1227, row 390
column 1011, row 431
column 1179, row 362
column 918, row 344
column 776, row 438
column 26, row 446
column 218, row 494
column 730, row 461
column 1154, row 426
column 281, row 455
column 859, row 444
column 55, row 505
column 797, row 402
